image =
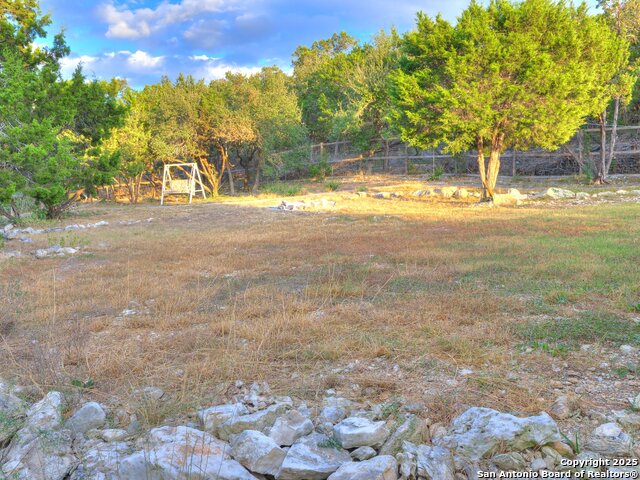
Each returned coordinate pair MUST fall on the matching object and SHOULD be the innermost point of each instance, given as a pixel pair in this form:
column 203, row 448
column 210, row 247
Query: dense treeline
column 524, row 74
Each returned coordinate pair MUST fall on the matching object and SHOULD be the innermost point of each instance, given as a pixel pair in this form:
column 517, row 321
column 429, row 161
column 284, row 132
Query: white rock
column 39, row 451
column 260, row 421
column 290, row 427
column 411, row 429
column 332, row 414
column 112, row 434
column 538, row 464
column 627, row 349
column 356, row 432
column 480, row 431
column 431, row 462
column 383, row 467
column 257, row 452
column 90, row 415
column 609, row 440
column 312, row 458
column 182, row 453
column 559, row 193
column 363, row 453
column 102, row 462
column 212, row 418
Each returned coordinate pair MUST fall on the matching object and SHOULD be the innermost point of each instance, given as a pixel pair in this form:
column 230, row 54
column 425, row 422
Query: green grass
column 283, row 189
column 562, row 334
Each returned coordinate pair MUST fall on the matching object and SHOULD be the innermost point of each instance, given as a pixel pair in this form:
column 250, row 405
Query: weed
column 331, row 442
column 574, row 444
column 332, row 186
column 390, row 409
column 283, row 189
column 320, row 170
column 438, row 172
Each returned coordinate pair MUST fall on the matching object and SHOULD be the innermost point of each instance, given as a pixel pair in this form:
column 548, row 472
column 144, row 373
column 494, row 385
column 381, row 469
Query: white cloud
column 69, row 64
column 140, row 59
column 201, row 58
column 215, row 69
column 142, row 22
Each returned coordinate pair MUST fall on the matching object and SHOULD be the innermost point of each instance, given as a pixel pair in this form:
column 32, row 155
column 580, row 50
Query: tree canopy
column 506, row 75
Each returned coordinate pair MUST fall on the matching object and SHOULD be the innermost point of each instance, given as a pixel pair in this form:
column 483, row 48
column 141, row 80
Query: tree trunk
column 481, row 168
column 256, row 180
column 614, row 135
column 211, row 175
column 601, row 164
column 232, row 187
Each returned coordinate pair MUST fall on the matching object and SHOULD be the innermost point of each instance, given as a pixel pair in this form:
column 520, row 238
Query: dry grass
column 378, row 299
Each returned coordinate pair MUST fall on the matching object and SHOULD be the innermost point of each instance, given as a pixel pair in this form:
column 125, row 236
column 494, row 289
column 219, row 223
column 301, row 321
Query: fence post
column 513, row 163
column 385, row 165
column 580, row 159
column 406, row 159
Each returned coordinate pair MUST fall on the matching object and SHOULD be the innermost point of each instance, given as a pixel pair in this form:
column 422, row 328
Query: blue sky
column 141, row 40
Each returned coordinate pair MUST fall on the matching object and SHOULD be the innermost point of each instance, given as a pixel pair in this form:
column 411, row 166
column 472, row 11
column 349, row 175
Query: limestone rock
column 260, row 420
column 356, row 432
column 182, row 453
column 90, row 415
column 39, row 450
column 609, row 440
column 432, row 463
column 212, row 418
column 383, row 467
column 479, row 431
column 102, row 462
column 412, row 429
column 312, row 458
column 363, row 453
column 509, row 461
column 332, row 414
column 257, row 452
column 561, row 408
column 558, row 193
column 290, row 427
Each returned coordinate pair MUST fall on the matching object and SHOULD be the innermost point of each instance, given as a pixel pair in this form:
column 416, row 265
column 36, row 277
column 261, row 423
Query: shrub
column 283, row 189
column 332, row 186
column 437, row 173
column 320, row 170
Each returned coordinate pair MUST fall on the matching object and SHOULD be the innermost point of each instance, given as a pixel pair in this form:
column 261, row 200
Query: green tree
column 132, row 143
column 623, row 16
column 50, row 130
column 506, row 75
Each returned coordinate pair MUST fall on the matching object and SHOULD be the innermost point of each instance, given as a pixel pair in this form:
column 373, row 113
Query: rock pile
column 259, row 436
column 10, row 232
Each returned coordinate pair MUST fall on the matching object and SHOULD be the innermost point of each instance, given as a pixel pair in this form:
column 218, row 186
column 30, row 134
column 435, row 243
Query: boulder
column 39, row 450
column 480, row 431
column 383, row 467
column 411, row 429
column 212, row 418
column 290, row 427
column 313, row 457
column 512, row 461
column 356, row 432
column 260, row 421
column 332, row 414
column 257, row 452
column 432, row 463
column 182, row 453
column 12, row 411
column 363, row 453
column 558, row 193
column 102, row 462
column 90, row 415
column 609, row 440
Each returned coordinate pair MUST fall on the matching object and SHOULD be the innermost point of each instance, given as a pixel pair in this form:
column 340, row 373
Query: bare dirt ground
column 443, row 303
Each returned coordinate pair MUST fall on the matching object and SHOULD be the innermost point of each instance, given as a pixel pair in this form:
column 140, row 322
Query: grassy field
column 378, row 299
